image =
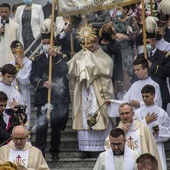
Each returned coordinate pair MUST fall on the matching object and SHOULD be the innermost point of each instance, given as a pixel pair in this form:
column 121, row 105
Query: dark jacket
column 47, row 10
column 113, row 49
column 65, row 44
column 4, row 135
column 39, row 74
column 99, row 18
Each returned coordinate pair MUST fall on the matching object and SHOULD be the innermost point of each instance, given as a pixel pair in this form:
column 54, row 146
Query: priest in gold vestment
column 91, row 71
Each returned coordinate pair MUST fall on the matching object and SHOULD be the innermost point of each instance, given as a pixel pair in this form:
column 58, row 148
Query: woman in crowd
column 126, row 28
column 29, row 16
column 112, row 47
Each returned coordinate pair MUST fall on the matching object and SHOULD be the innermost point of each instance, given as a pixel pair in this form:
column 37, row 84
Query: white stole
column 128, row 159
column 9, row 36
column 19, row 157
column 113, row 108
column 88, row 103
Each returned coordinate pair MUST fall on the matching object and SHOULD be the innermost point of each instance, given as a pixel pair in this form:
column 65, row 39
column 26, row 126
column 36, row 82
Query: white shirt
column 163, row 45
column 134, row 93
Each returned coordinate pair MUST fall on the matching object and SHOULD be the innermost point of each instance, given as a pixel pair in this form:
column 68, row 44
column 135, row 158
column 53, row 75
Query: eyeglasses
column 21, row 139
column 2, row 105
column 116, row 144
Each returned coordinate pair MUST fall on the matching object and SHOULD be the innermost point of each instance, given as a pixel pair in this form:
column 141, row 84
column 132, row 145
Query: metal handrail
column 35, row 51
column 30, row 46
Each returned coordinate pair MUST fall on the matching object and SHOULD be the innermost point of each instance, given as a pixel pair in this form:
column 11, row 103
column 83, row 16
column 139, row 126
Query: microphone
column 3, row 22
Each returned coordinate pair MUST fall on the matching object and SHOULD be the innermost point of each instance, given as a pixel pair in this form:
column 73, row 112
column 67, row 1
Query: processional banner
column 86, row 6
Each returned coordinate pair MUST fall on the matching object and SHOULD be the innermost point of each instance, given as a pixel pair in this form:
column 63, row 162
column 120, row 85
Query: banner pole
column 144, row 28
column 71, row 39
column 50, row 58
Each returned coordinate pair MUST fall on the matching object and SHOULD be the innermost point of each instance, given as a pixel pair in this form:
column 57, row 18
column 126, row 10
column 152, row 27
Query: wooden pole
column 71, row 39
column 50, row 59
column 71, row 43
column 151, row 7
column 144, row 28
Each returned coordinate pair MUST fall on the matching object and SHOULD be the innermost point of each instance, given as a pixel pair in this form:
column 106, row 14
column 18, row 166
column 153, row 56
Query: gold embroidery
column 64, row 55
column 33, row 58
column 156, row 69
column 168, row 54
column 99, row 2
column 58, row 61
column 133, row 144
column 38, row 83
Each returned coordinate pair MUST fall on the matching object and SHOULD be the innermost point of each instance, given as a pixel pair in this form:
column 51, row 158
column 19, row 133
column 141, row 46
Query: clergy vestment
column 10, row 34
column 92, row 74
column 29, row 157
column 164, row 127
column 12, row 95
column 23, row 80
column 108, row 161
column 134, row 93
column 139, row 138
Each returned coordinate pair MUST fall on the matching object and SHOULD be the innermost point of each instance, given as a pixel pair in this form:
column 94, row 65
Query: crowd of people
column 118, row 87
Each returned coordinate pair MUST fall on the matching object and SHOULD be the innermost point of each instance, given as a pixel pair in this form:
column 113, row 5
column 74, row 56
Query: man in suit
column 47, row 10
column 159, row 67
column 63, row 38
column 4, row 135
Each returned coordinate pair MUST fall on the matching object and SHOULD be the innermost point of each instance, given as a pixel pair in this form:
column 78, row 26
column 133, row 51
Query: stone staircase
column 167, row 152
column 69, row 153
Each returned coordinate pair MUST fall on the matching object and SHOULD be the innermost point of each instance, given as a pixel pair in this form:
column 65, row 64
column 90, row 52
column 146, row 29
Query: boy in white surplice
column 157, row 120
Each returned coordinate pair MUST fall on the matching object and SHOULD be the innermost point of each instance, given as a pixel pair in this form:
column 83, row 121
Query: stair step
column 68, row 134
column 72, row 163
column 69, row 152
column 69, row 143
column 167, row 153
column 73, row 169
column 91, row 168
column 34, row 116
column 66, row 153
column 168, row 163
column 34, row 109
column 67, row 128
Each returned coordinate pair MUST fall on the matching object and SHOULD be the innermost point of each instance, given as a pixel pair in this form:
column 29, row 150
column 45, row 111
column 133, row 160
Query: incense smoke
column 42, row 120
